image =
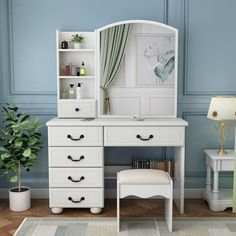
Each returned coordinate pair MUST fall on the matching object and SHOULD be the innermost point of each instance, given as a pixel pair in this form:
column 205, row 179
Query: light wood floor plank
column 129, row 208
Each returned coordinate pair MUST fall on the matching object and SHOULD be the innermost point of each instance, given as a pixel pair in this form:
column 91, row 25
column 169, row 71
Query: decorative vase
column 19, row 201
column 77, row 45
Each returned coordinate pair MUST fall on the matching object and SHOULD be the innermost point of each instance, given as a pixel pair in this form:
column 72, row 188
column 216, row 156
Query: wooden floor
column 9, row 221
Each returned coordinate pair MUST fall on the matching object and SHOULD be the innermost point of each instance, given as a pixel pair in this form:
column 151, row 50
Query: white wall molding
column 13, row 90
column 186, row 77
column 43, row 193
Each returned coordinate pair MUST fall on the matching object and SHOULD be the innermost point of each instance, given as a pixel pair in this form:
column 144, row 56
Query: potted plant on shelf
column 77, row 39
column 20, row 144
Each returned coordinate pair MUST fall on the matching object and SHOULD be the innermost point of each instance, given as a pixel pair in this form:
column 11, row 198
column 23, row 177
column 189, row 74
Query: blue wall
column 206, row 53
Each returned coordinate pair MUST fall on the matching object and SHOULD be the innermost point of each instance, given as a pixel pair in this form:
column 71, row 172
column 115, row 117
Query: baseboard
column 43, row 193
column 36, row 193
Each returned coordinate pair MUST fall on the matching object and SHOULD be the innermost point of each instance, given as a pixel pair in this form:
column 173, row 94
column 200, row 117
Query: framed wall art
column 155, row 59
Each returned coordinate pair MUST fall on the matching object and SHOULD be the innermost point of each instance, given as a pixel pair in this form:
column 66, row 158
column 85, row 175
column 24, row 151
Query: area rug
column 99, row 226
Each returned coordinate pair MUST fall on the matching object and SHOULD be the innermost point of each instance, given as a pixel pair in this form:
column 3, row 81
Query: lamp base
column 222, row 151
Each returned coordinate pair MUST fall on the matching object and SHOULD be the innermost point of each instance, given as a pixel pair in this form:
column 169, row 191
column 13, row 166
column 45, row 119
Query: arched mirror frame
column 173, row 31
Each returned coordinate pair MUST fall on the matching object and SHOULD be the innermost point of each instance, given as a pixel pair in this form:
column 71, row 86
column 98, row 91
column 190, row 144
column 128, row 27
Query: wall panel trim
column 13, row 90
column 186, row 74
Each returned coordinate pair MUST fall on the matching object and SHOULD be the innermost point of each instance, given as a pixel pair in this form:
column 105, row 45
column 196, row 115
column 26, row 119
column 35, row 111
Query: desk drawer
column 82, row 108
column 76, row 177
column 75, row 157
column 75, row 136
column 143, row 136
column 69, row 197
column 227, row 165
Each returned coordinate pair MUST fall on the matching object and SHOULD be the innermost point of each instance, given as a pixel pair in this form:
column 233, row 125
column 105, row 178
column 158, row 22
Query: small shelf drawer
column 75, row 136
column 76, row 198
column 76, row 177
column 227, row 165
column 81, row 108
column 75, row 157
column 143, row 136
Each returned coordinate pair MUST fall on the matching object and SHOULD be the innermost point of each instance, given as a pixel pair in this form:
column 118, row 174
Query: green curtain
column 113, row 42
column 234, row 181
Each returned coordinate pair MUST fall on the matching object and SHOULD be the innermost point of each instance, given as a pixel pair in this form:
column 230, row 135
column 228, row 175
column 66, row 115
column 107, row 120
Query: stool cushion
column 143, row 177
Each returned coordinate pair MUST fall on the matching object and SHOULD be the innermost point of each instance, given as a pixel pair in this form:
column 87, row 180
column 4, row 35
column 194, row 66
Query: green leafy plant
column 76, row 38
column 19, row 142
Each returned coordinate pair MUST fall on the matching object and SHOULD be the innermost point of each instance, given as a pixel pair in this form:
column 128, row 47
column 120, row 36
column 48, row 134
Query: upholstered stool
column 145, row 183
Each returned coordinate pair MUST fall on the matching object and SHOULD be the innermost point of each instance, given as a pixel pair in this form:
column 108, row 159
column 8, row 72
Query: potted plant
column 19, row 145
column 77, row 39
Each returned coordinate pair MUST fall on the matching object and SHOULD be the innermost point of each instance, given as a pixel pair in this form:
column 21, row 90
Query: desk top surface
column 213, row 154
column 117, row 122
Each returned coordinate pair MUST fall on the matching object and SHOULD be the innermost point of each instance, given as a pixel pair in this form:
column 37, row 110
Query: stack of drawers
column 76, row 174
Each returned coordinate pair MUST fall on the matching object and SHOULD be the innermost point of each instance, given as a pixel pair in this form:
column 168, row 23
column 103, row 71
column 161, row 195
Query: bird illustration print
column 161, row 59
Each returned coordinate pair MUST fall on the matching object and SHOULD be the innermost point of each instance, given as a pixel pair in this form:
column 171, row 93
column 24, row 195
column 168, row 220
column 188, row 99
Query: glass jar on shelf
column 71, row 92
column 62, row 70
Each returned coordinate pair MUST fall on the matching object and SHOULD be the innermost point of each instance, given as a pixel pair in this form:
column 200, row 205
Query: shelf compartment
column 77, row 50
column 77, row 77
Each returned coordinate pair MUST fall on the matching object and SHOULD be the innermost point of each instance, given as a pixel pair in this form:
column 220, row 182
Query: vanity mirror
column 137, row 69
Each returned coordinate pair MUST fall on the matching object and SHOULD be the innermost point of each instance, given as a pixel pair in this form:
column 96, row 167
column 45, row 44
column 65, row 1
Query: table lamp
column 222, row 108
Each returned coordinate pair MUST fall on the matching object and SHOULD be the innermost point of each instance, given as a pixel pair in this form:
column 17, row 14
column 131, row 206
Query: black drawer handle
column 75, row 139
column 71, row 158
column 74, row 201
column 76, row 109
column 75, row 181
column 145, row 139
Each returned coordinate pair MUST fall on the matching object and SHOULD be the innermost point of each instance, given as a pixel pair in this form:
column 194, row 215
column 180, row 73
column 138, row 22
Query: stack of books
column 168, row 166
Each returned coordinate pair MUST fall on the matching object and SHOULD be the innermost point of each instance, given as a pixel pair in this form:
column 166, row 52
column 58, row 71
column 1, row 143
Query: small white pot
column 77, row 45
column 19, row 201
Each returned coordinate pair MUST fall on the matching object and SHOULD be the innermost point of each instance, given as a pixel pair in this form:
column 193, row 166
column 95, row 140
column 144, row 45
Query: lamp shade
column 222, row 108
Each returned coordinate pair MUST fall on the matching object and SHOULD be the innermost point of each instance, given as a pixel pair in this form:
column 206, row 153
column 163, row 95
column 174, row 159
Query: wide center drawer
column 76, row 177
column 75, row 136
column 77, row 197
column 143, row 136
column 76, row 157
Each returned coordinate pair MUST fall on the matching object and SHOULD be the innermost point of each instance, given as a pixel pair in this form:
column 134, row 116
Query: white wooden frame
column 98, row 93
column 90, row 50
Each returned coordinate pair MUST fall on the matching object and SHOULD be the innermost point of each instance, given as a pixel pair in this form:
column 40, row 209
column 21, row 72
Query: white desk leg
column 208, row 178
column 179, row 178
column 216, row 181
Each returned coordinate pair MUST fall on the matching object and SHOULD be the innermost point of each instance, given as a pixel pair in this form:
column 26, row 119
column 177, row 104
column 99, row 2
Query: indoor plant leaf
column 3, row 149
column 14, row 178
column 27, row 152
column 5, row 155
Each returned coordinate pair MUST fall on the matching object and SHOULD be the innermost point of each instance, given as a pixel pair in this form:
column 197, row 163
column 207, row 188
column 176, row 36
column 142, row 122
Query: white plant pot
column 77, row 45
column 19, row 201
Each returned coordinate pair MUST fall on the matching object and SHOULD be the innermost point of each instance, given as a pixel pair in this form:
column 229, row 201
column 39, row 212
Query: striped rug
column 99, row 226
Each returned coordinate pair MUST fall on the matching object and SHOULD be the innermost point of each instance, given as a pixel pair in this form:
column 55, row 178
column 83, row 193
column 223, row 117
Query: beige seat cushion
column 145, row 177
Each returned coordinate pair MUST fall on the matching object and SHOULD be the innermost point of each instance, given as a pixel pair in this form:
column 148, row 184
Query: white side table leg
column 208, row 178
column 216, row 182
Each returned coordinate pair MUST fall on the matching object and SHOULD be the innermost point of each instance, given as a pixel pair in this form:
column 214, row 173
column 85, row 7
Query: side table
column 218, row 199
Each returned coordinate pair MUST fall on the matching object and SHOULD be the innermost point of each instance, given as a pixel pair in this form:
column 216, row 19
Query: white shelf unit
column 77, row 50
column 76, row 108
column 76, row 77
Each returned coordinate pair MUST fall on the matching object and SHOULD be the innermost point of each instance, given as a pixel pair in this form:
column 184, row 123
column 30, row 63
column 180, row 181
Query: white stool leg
column 168, row 213
column 169, row 208
column 118, row 206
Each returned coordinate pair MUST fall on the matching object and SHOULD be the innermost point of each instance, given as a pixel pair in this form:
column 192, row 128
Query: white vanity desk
column 139, row 78
column 76, row 166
